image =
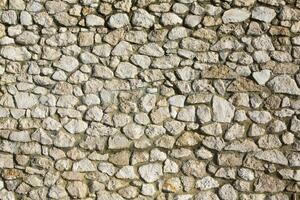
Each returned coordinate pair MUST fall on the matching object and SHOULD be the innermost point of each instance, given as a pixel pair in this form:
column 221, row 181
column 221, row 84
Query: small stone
column 151, row 172
column 194, row 168
column 177, row 100
column 264, row 14
column 235, row 15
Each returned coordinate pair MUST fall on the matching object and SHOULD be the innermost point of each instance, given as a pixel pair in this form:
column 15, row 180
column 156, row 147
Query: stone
column 126, row 70
column 273, row 156
column 64, row 140
column 284, row 84
column 264, row 14
column 133, row 131
column 187, row 114
column 16, row 5
column 118, row 20
column 94, row 20
column 25, row 100
column 84, row 165
column 77, row 189
column 76, row 126
column 102, row 50
column 212, row 129
column 203, row 113
column 261, row 117
column 267, row 183
column 236, row 131
column 170, row 19
column 262, row 76
column 194, row 168
column 27, row 38
column 207, row 183
column 6, row 161
column 15, row 53
column 235, row 15
column 151, row 49
column 223, row 111
column 151, row 172
column 227, row 192
column 65, row 19
column 67, row 63
column 142, row 18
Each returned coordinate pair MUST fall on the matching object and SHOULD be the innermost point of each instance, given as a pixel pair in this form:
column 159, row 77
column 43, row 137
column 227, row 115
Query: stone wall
column 149, row 99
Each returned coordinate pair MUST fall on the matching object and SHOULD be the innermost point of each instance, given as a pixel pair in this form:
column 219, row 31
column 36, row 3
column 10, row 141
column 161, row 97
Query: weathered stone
column 284, row 84
column 15, row 53
column 264, row 14
column 235, row 15
column 223, row 111
column 151, row 172
column 118, row 20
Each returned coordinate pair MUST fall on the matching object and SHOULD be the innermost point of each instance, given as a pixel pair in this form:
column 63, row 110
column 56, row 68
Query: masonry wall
column 149, row 99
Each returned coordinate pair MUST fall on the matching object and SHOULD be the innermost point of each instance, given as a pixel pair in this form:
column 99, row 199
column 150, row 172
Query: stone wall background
column 149, row 99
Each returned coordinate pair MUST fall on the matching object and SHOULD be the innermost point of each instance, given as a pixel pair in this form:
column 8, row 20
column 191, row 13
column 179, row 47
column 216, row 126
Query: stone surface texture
column 149, row 99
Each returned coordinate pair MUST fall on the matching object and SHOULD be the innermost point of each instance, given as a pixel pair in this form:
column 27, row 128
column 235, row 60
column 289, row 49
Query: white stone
column 264, row 14
column 223, row 111
column 235, row 15
column 151, row 172
column 67, row 63
column 118, row 20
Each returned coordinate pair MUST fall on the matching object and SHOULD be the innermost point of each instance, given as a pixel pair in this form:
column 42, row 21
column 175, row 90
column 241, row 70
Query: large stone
column 15, row 53
column 273, row 156
column 25, row 100
column 235, row 15
column 142, row 18
column 67, row 63
column 77, row 189
column 223, row 111
column 284, row 84
column 6, row 161
column 118, row 20
column 151, row 172
column 264, row 14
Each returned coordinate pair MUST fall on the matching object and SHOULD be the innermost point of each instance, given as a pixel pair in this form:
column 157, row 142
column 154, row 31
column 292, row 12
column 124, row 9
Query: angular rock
column 235, row 15
column 284, row 84
column 223, row 111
